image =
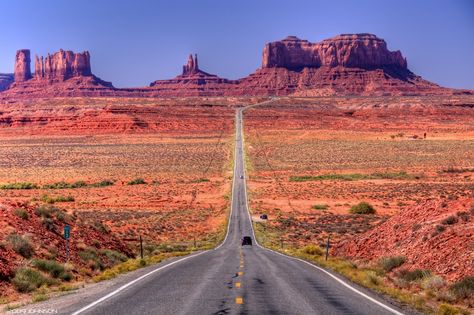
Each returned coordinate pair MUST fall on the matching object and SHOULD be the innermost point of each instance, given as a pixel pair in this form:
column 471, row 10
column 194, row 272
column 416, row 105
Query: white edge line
column 102, row 299
column 85, row 308
column 344, row 283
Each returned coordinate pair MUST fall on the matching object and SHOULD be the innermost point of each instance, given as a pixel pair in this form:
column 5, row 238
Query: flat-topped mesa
column 63, row 65
column 22, row 65
column 365, row 51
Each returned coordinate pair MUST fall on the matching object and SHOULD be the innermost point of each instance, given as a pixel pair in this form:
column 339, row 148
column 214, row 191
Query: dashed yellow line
column 240, row 273
column 239, row 300
column 238, row 284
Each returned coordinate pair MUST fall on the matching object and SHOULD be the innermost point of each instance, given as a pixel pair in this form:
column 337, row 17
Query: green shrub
column 312, row 250
column 450, row 220
column 46, row 211
column 320, row 206
column 446, row 309
column 362, row 208
column 48, row 223
column 201, row 180
column 64, row 185
column 90, row 256
column 27, row 280
column 51, row 200
column 113, row 257
column 137, row 181
column 21, row 185
column 55, row 269
column 463, row 288
column 21, row 213
column 21, row 245
column 390, row 263
column 413, row 275
column 103, row 183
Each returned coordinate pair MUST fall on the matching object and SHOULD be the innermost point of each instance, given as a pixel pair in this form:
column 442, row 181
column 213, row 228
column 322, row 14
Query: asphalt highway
column 234, row 279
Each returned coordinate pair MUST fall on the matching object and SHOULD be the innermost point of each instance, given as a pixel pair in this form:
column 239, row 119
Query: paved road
column 232, row 279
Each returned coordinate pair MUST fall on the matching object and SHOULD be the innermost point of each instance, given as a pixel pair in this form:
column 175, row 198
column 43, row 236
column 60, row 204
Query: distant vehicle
column 264, row 217
column 246, row 240
column 241, row 176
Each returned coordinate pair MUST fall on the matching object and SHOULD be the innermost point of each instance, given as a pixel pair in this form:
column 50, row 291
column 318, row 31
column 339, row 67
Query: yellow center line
column 239, row 300
column 240, row 273
column 238, row 284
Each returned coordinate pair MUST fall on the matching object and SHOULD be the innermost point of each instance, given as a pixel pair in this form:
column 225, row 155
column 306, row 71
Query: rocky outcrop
column 192, row 82
column 6, row 80
column 348, row 64
column 22, row 65
column 62, row 74
column 63, row 65
column 365, row 51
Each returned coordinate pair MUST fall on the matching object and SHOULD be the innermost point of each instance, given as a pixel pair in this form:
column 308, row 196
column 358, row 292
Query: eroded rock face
column 22, row 65
column 364, row 51
column 63, row 65
column 6, row 79
column 62, row 74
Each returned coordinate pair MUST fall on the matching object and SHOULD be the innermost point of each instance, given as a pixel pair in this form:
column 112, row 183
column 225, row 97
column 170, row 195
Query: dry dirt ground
column 310, row 160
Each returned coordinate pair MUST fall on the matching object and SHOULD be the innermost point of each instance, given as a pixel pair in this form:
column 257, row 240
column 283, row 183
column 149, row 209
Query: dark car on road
column 246, row 240
column 241, row 176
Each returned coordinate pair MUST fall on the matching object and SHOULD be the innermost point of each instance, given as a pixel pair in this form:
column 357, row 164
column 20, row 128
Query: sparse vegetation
column 352, row 177
column 390, row 263
column 21, row 245
column 20, row 185
column 55, row 269
column 27, row 279
column 322, row 206
column 201, row 180
column 362, row 208
column 464, row 288
column 312, row 250
column 21, row 213
column 65, row 185
column 412, row 275
column 52, row 200
column 103, row 183
column 450, row 220
column 137, row 181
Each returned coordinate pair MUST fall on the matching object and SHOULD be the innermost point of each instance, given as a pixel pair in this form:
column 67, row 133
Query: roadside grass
column 418, row 288
column 137, row 181
column 354, row 177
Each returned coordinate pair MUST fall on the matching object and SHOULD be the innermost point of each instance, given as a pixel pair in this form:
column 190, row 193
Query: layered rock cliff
column 63, row 65
column 192, row 82
column 348, row 64
column 63, row 74
column 365, row 51
column 6, row 79
column 22, row 65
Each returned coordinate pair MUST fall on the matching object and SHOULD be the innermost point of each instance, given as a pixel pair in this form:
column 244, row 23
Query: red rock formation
column 412, row 233
column 22, row 65
column 63, row 74
column 192, row 82
column 357, row 64
column 364, row 51
column 5, row 81
column 63, row 65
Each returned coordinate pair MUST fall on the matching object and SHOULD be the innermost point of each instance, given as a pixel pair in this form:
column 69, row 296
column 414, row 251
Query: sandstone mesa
column 348, row 64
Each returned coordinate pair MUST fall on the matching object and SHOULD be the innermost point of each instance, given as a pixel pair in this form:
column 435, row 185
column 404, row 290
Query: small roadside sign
column 67, row 232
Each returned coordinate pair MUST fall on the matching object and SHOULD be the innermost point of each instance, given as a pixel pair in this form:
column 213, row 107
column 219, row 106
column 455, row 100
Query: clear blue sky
column 135, row 42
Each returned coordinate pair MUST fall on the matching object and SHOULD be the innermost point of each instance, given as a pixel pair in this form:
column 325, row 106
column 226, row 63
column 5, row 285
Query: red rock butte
column 348, row 64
